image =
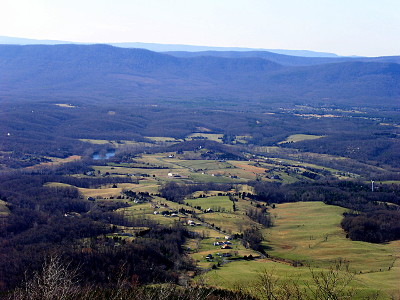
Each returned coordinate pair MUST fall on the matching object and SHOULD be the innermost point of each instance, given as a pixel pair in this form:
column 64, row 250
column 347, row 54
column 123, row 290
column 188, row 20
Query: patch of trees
column 260, row 215
column 375, row 226
column 252, row 238
column 44, row 221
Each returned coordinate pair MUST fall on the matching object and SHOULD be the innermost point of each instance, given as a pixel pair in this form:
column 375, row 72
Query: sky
column 344, row 27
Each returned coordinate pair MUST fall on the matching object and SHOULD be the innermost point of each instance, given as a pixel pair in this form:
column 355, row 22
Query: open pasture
column 300, row 137
column 245, row 275
column 221, row 203
column 198, row 177
column 163, row 139
column 107, row 191
column 4, row 211
column 65, row 105
column 158, row 173
column 217, row 137
column 116, row 143
column 201, row 164
column 104, row 191
column 248, row 166
column 310, row 232
column 229, row 222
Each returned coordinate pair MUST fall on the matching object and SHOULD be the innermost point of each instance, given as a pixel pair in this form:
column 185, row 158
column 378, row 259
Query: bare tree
column 55, row 281
column 333, row 283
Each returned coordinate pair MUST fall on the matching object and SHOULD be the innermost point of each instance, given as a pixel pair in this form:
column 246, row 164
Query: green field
column 217, row 137
column 309, row 232
column 216, row 203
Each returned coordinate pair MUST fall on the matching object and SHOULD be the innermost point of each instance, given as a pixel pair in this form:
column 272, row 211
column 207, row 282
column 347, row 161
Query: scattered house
column 156, row 212
column 174, row 215
column 190, row 222
column 228, row 237
column 209, row 256
column 226, row 247
column 209, row 210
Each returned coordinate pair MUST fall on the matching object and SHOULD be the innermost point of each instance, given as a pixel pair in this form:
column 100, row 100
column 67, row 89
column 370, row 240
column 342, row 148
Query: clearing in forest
column 300, row 137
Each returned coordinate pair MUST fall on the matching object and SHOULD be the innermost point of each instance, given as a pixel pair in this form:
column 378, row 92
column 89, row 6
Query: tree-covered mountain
column 106, row 73
column 284, row 59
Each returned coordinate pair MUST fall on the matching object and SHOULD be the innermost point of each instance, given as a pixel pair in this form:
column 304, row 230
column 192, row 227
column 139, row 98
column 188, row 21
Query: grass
column 217, row 137
column 4, row 211
column 55, row 161
column 300, row 137
column 245, row 275
column 163, row 139
column 65, row 105
column 311, row 232
column 215, row 203
column 105, row 191
column 230, row 223
column 114, row 143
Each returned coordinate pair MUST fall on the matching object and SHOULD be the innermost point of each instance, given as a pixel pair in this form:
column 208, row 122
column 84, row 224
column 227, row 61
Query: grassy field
column 115, row 144
column 310, row 232
column 217, row 137
column 55, row 161
column 108, row 191
column 230, row 223
column 215, row 203
column 163, row 139
column 4, row 211
column 245, row 275
column 65, row 105
column 300, row 137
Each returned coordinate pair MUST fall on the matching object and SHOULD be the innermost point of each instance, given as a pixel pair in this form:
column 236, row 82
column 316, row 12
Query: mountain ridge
column 108, row 74
column 157, row 47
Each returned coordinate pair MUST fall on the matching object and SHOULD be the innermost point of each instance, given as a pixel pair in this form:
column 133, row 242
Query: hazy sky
column 345, row 27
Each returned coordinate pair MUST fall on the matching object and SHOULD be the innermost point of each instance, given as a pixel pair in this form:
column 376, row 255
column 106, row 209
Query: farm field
column 305, row 234
column 209, row 136
column 310, row 232
column 300, row 137
column 215, row 203
column 299, row 235
column 4, row 211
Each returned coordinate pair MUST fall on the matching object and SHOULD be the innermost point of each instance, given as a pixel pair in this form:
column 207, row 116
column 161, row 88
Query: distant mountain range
column 165, row 47
column 102, row 73
column 287, row 60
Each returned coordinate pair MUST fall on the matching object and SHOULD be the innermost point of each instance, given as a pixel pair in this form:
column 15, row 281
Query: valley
column 225, row 174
